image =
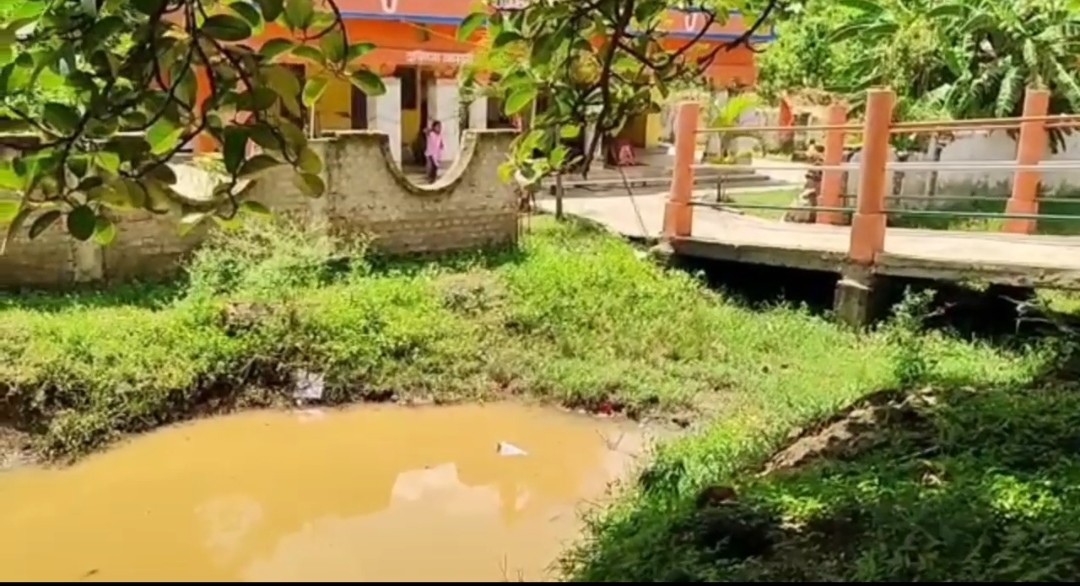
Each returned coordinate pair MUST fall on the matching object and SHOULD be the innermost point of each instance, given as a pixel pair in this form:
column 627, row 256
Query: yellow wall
column 634, row 130
column 410, row 125
column 654, row 128
column 335, row 108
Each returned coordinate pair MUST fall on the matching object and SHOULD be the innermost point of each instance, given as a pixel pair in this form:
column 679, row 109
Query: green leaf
column 226, row 27
column 570, row 132
column 79, row 165
column 314, row 90
column 8, row 210
column 102, row 31
column 848, row 31
column 287, row 86
column 157, row 199
column 10, row 180
column 264, row 136
column 470, row 24
column 506, row 171
column 14, row 227
column 505, row 38
column 249, row 13
column 518, row 100
column 865, row 6
column 949, row 10
column 104, row 231
column 148, row 7
column 163, row 173
column 368, row 82
column 295, row 139
column 299, row 14
column 108, row 162
column 255, row 208
column 271, row 9
column 81, row 222
column 333, row 45
column 163, row 136
column 257, row 165
column 258, row 99
column 61, row 117
column 310, row 162
column 276, row 47
column 43, row 222
column 236, row 140
column 310, row 53
column 311, row 185
column 358, row 50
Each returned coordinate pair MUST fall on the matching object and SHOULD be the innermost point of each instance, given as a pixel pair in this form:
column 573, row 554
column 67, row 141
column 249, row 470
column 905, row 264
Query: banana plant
column 727, row 113
column 969, row 58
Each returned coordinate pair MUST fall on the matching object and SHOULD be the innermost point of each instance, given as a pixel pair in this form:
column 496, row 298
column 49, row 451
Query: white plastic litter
column 309, row 386
column 509, row 450
column 310, row 415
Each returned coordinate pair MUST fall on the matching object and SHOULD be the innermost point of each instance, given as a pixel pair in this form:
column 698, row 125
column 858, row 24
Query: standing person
column 434, row 150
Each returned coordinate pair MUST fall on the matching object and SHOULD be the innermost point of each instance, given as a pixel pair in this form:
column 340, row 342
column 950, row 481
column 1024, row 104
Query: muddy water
column 385, row 494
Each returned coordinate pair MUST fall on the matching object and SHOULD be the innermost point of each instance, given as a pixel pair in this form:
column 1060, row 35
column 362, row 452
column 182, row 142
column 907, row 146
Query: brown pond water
column 387, row 494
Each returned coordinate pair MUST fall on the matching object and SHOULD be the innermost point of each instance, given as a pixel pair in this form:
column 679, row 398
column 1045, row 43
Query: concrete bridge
column 855, row 242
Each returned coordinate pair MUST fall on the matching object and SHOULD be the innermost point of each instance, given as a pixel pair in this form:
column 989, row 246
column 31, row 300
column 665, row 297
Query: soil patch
column 15, row 448
column 862, row 427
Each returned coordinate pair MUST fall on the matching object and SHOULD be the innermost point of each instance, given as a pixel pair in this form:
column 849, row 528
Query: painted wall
column 366, row 194
column 992, row 147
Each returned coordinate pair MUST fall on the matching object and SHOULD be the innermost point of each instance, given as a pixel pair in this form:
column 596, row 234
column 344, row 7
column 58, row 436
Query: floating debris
column 509, row 450
column 311, row 415
column 309, row 386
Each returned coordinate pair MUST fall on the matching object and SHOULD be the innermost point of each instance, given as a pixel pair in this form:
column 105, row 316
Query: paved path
column 1047, row 261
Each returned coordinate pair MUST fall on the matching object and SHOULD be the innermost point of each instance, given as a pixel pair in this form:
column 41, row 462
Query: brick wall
column 366, row 193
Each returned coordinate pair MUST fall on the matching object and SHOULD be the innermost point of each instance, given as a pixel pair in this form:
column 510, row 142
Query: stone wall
column 366, row 193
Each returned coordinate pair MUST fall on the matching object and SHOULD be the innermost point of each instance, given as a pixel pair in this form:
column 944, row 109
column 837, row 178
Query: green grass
column 575, row 317
column 779, row 197
column 1055, row 227
column 977, row 484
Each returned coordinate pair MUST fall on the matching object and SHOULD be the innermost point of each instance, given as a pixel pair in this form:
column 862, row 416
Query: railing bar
column 990, row 121
column 906, row 166
column 999, row 198
column 989, row 215
column 820, row 127
column 763, row 206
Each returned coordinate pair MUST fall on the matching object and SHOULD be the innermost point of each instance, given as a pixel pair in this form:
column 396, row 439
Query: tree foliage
column 956, row 58
column 105, row 93
column 591, row 65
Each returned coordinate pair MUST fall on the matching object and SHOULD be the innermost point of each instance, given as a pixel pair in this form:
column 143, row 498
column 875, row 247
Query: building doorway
column 358, row 108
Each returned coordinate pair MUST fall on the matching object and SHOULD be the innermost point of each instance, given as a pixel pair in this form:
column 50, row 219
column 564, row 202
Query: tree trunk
column 558, row 195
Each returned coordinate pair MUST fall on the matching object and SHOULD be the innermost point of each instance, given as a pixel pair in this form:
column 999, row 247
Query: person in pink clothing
column 434, row 150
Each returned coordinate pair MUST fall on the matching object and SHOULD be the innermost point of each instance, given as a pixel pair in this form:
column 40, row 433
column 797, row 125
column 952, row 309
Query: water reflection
column 368, row 494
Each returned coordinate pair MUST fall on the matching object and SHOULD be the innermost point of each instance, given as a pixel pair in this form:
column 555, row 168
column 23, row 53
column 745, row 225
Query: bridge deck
column 1008, row 259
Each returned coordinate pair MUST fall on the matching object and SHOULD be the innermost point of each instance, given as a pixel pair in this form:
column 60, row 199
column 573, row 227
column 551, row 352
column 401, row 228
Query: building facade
column 418, row 56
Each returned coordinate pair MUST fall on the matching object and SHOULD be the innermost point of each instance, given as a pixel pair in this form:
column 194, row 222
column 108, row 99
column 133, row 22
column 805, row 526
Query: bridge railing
column 868, row 216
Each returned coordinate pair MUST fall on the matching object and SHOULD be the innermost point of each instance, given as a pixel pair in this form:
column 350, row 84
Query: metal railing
column 867, row 216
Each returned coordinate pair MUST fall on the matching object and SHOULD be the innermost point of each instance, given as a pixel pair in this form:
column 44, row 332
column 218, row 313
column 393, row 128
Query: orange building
column 418, row 56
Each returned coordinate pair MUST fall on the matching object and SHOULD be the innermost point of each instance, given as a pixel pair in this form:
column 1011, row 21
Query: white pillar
column 444, row 105
column 478, row 113
column 384, row 114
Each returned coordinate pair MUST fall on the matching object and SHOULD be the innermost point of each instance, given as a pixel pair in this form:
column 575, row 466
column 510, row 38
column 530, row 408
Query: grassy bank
column 574, row 317
column 966, row 470
column 578, row 318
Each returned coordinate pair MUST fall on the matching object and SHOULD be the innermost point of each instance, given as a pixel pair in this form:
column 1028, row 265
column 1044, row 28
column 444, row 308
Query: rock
column 509, row 450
